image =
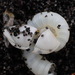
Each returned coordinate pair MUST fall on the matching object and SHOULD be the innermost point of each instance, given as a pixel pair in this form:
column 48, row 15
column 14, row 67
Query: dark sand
column 11, row 61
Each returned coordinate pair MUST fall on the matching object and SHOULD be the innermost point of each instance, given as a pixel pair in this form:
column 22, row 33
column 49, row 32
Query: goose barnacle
column 46, row 33
column 49, row 28
column 54, row 33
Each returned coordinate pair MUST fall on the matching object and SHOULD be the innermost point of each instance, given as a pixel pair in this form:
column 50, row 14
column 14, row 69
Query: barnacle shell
column 57, row 25
column 53, row 36
column 8, row 18
column 20, row 41
column 8, row 36
column 38, row 65
column 46, row 42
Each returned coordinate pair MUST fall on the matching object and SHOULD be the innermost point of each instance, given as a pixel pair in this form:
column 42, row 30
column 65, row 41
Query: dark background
column 11, row 60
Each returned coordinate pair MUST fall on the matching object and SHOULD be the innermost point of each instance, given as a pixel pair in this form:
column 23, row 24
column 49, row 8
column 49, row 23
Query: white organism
column 54, row 32
column 38, row 64
column 47, row 32
column 19, row 37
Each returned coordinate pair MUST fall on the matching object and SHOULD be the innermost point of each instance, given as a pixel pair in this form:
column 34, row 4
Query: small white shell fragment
column 57, row 25
column 8, row 17
column 21, row 41
column 47, row 41
column 38, row 65
column 8, row 36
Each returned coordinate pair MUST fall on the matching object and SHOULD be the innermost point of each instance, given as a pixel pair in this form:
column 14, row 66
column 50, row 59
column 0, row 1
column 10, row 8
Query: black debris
column 28, row 49
column 15, row 45
column 58, row 26
column 45, row 15
column 15, row 31
column 49, row 72
column 25, row 59
column 37, row 32
column 18, row 37
column 30, row 44
column 42, row 35
column 29, row 39
column 34, row 41
column 25, row 26
column 28, row 29
column 46, row 27
column 24, row 34
column 18, row 45
column 31, row 34
column 51, row 14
